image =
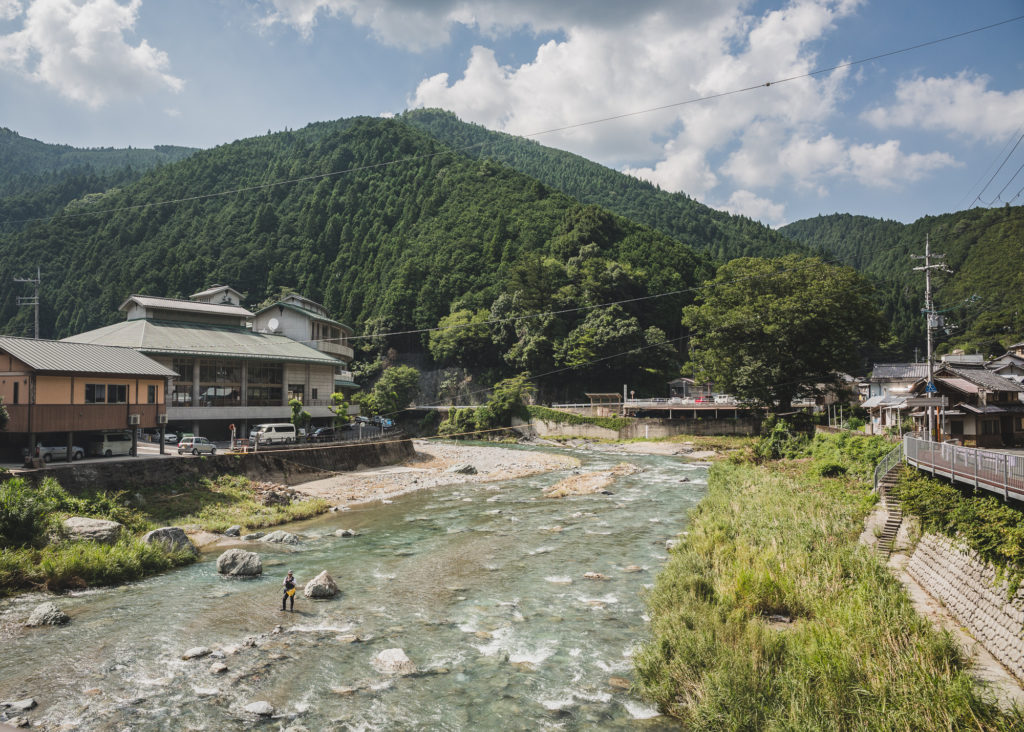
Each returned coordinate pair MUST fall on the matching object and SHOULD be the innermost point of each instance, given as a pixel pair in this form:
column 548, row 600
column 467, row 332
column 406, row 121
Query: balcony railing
column 42, row 418
column 335, row 349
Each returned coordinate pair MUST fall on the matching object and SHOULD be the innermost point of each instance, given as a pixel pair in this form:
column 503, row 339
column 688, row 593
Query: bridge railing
column 999, row 473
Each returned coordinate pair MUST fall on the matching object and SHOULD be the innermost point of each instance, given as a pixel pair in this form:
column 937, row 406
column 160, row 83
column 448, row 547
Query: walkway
column 1000, row 473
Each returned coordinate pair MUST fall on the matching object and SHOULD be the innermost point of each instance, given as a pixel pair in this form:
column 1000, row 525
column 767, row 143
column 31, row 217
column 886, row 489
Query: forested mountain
column 721, row 235
column 386, row 247
column 982, row 299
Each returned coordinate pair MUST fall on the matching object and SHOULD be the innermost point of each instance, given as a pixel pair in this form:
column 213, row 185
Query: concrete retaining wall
column 647, row 428
column 290, row 466
column 967, row 587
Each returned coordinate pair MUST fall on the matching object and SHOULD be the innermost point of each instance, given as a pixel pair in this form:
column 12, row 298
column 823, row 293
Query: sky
column 898, row 137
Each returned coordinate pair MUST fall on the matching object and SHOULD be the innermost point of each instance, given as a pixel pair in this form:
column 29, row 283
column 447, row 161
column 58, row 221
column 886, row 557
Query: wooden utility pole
column 932, row 322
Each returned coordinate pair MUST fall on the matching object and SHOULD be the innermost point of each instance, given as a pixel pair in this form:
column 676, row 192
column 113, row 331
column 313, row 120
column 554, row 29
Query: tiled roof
column 157, row 337
column 86, row 358
column 899, row 371
column 987, row 380
column 190, row 306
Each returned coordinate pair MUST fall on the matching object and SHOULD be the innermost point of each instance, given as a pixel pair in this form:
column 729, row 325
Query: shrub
column 26, row 512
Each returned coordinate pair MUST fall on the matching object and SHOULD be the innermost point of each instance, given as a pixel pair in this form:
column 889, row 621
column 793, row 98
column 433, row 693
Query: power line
column 982, row 176
column 448, row 150
column 978, row 197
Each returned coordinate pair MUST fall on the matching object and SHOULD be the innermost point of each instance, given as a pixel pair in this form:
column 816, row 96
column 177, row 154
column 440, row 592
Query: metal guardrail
column 888, row 463
column 999, row 473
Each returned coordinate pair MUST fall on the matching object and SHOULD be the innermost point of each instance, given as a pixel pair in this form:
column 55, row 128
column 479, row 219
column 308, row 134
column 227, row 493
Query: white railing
column 888, row 463
column 996, row 472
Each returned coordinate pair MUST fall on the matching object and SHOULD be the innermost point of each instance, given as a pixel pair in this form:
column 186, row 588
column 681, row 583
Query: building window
column 117, row 394
column 220, row 384
column 151, row 394
column 266, row 385
column 989, row 427
column 296, row 391
column 16, row 385
column 956, row 427
column 95, row 393
column 181, row 393
column 312, row 394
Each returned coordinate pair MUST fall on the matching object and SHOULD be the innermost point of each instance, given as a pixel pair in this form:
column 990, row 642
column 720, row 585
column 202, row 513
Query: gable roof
column 88, row 358
column 882, row 371
column 191, row 306
column 982, row 378
column 312, row 314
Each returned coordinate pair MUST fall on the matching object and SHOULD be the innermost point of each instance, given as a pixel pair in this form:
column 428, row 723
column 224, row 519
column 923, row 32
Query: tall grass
column 856, row 656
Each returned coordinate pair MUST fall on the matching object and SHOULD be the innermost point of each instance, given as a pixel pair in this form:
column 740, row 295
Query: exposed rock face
column 240, row 563
column 321, row 586
column 80, row 528
column 463, row 468
column 173, row 539
column 280, row 537
column 260, row 708
column 47, row 614
column 394, row 661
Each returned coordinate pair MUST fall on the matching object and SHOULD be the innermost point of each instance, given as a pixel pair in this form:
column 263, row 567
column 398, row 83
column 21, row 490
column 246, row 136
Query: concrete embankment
column 290, row 466
column 643, row 428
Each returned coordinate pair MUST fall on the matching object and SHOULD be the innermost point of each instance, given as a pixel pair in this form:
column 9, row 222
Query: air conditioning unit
column 133, row 419
column 161, row 419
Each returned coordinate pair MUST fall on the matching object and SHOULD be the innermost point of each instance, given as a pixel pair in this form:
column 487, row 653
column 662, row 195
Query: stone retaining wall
column 967, row 587
column 290, row 466
column 646, row 428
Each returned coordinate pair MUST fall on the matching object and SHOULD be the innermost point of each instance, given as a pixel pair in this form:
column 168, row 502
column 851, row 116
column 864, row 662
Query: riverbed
column 483, row 585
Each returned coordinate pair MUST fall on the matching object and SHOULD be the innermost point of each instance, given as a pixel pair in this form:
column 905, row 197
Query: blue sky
column 900, row 137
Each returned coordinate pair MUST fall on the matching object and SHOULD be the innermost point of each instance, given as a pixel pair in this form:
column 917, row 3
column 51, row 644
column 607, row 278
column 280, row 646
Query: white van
column 112, row 443
column 273, row 434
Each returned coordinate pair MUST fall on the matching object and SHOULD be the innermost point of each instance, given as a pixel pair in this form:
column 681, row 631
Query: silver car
column 196, row 445
column 58, row 452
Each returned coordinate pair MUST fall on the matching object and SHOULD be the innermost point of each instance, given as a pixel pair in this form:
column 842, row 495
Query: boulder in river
column 197, row 652
column 463, row 468
column 254, row 536
column 79, row 528
column 345, row 532
column 47, row 614
column 240, row 563
column 233, row 531
column 394, row 661
column 321, row 586
column 172, row 538
column 260, row 708
column 280, row 537
column 22, row 705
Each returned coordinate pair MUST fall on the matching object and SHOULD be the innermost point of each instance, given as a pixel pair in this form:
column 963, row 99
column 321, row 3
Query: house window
column 313, row 394
column 117, row 393
column 16, row 385
column 151, row 394
column 989, row 427
column 956, row 427
column 296, row 391
column 95, row 393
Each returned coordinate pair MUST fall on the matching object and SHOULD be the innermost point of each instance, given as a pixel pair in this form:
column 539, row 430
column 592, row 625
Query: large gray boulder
column 394, row 661
column 47, row 614
column 280, row 537
column 79, row 528
column 463, row 468
column 260, row 708
column 321, row 586
column 172, row 538
column 240, row 563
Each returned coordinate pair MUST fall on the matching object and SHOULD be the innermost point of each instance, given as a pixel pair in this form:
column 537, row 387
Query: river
column 482, row 586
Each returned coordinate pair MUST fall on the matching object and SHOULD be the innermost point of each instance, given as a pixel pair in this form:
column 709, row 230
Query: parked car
column 196, row 445
column 58, row 452
column 324, row 434
column 274, row 433
column 112, row 443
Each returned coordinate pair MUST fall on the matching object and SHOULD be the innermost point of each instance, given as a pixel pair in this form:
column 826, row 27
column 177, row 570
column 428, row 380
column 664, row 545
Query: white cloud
column 886, row 165
column 79, row 49
column 961, row 104
column 746, row 203
column 10, row 9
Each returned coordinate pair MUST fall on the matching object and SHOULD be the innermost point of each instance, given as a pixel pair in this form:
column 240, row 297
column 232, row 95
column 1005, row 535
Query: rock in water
column 79, row 528
column 173, row 539
column 47, row 614
column 280, row 537
column 464, row 468
column 344, row 532
column 197, row 652
column 260, row 708
column 254, row 536
column 323, row 585
column 394, row 661
column 240, row 563
column 233, row 531
column 23, row 705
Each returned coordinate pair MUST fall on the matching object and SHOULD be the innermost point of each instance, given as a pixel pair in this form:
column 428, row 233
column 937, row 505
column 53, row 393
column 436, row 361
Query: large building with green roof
column 234, row 366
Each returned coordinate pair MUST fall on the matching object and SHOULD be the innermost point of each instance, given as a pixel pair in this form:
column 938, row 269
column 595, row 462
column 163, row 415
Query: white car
column 58, row 452
column 196, row 445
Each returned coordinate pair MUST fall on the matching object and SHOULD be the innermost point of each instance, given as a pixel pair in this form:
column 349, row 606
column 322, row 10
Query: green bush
column 27, row 512
column 855, row 423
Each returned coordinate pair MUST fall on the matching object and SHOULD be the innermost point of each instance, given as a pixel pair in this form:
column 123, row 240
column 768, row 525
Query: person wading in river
column 289, row 591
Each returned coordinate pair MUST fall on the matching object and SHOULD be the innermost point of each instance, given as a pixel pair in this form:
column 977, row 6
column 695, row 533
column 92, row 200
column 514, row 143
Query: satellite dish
column 273, row 324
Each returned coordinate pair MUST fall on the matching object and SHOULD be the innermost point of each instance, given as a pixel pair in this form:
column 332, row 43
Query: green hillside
column 721, row 235
column 385, row 248
column 982, row 300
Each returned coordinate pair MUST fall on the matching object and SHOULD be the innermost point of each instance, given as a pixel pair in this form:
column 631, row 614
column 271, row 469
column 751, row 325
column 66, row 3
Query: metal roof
column 158, row 337
column 884, row 400
column 87, row 358
column 899, row 371
column 190, row 306
column 215, row 289
column 310, row 313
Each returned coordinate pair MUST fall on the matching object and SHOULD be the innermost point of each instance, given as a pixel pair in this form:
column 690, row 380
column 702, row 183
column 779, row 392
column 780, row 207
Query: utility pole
column 34, row 299
column 932, row 322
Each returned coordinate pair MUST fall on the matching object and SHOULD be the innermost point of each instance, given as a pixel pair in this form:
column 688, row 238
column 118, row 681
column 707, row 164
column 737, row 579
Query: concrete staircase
column 892, row 504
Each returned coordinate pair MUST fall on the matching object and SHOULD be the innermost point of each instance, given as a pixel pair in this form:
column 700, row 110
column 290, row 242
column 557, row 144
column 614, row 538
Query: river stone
column 260, row 708
column 323, row 585
column 172, row 538
column 233, row 531
column 280, row 537
column 197, row 652
column 254, row 536
column 218, row 668
column 240, row 563
column 394, row 661
column 18, row 722
column 464, row 468
column 47, row 614
column 79, row 528
column 344, row 532
column 19, row 706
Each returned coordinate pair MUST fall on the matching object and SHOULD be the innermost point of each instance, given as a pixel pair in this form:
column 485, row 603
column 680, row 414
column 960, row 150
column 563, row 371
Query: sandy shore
column 427, row 469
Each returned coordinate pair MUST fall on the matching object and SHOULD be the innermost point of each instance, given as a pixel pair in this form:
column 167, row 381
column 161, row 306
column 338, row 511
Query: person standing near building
column 289, row 591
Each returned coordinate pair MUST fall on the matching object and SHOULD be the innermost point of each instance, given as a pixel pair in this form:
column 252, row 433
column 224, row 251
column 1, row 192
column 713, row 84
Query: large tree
column 768, row 330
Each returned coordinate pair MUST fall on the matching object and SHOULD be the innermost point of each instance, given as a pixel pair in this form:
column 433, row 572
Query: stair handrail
column 891, row 460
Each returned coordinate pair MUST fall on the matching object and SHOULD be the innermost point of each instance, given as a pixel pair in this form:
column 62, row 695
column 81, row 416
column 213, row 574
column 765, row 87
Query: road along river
column 482, row 585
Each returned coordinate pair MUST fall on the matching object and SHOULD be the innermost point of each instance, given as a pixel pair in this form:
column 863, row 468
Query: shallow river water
column 481, row 585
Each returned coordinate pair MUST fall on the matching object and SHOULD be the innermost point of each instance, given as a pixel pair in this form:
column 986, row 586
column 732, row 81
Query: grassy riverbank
column 771, row 615
column 35, row 555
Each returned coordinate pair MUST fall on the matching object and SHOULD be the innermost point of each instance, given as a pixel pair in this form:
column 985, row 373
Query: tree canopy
column 768, row 330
